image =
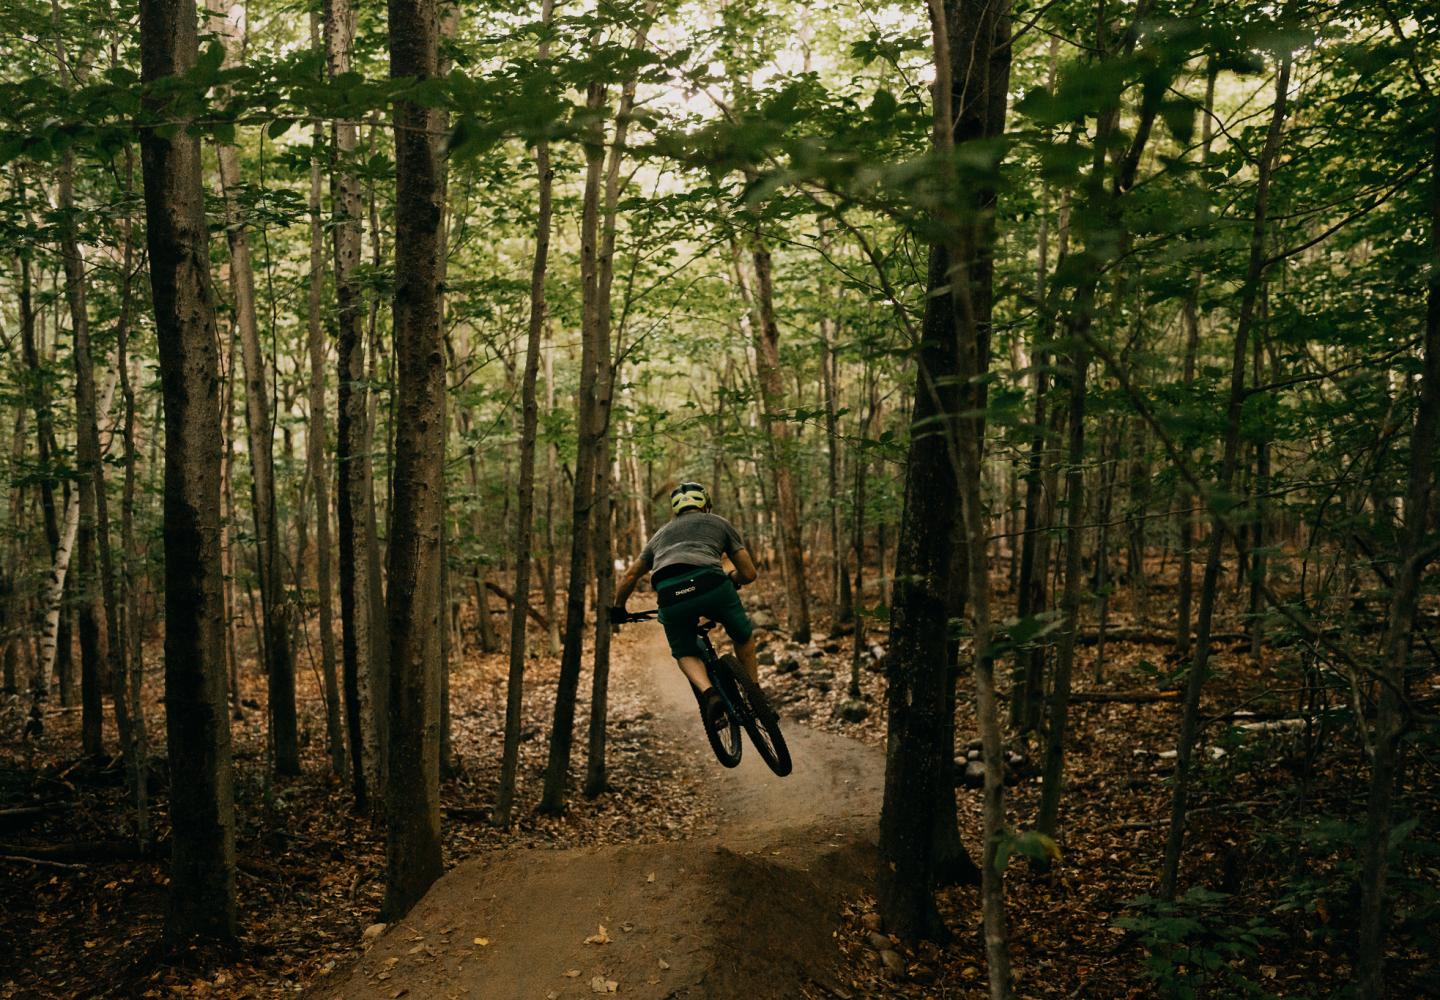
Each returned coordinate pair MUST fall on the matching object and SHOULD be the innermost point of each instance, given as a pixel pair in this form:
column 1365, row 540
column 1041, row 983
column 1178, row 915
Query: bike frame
column 723, row 679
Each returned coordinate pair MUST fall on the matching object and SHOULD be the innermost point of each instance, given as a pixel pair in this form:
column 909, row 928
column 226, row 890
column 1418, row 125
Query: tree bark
column 202, row 871
column 412, row 843
column 942, row 483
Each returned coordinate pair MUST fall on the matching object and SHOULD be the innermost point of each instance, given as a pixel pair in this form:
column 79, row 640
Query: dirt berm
column 747, row 913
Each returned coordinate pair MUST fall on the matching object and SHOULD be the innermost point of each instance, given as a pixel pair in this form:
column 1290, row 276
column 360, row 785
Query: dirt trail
column 748, row 912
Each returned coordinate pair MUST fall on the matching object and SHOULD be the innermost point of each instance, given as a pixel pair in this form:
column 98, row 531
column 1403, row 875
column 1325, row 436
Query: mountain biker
column 683, row 559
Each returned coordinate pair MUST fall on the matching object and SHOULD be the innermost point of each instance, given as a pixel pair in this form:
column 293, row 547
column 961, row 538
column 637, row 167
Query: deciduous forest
column 1070, row 371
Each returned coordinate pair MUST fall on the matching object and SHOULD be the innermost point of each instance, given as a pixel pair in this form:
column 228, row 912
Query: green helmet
column 689, row 496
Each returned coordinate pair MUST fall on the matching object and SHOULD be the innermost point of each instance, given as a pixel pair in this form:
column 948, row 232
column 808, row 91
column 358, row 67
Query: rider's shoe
column 712, row 711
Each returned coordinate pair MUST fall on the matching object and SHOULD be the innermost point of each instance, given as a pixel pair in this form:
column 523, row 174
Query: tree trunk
column 413, row 554
column 1059, row 702
column 525, row 488
column 606, row 374
column 133, row 676
column 841, row 609
column 1191, row 317
column 362, row 624
column 1195, row 682
column 202, row 820
column 942, row 484
column 557, row 770
column 547, row 568
column 93, row 644
column 772, row 399
column 316, row 440
column 1028, row 686
column 279, row 660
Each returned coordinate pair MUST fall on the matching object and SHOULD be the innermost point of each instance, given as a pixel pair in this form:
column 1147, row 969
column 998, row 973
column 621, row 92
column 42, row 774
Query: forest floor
column 1271, row 849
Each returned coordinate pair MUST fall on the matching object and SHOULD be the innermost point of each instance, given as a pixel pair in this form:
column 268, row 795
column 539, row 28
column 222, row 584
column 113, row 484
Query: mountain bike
column 729, row 678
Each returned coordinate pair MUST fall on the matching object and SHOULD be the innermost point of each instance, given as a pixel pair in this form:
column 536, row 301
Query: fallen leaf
column 650, row 877
column 482, row 942
column 664, row 964
column 602, row 985
column 599, row 937
column 571, row 973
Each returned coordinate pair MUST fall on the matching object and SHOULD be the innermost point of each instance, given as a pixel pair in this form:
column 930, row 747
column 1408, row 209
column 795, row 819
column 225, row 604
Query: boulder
column 763, row 619
column 832, row 647
column 879, row 941
column 853, row 710
column 788, row 665
column 871, row 921
column 765, row 658
column 974, row 774
column 814, row 652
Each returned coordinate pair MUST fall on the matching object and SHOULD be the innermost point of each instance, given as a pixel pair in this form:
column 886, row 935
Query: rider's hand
column 618, row 614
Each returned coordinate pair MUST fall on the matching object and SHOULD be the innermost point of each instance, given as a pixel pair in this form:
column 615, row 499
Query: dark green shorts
column 720, row 604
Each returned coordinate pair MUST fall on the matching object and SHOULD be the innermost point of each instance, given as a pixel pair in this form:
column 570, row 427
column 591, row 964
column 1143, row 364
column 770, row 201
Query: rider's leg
column 694, row 669
column 745, row 653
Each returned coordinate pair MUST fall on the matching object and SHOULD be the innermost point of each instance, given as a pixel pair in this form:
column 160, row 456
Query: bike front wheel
column 765, row 735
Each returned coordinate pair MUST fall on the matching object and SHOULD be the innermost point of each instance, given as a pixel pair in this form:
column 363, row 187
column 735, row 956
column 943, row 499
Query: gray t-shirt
column 693, row 539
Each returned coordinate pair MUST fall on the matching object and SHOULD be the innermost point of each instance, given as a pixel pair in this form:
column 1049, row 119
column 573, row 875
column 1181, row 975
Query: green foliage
column 1198, row 945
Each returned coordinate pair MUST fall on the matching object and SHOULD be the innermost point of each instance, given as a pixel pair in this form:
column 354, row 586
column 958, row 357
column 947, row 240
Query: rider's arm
column 744, row 571
column 627, row 582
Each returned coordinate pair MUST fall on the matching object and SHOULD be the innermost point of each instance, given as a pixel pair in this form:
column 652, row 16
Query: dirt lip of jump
column 749, row 912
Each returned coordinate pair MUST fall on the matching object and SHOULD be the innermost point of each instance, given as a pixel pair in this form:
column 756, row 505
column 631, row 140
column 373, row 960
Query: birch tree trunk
column 93, row 644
